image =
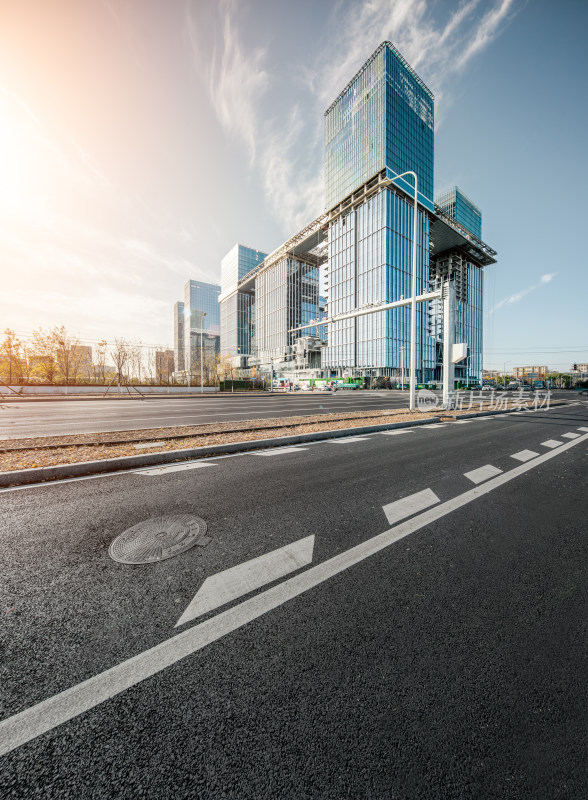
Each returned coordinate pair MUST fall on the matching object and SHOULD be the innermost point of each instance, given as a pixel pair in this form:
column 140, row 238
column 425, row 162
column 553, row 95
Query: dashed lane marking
column 525, row 455
column 222, row 588
column 434, row 425
column 392, row 433
column 174, row 468
column 47, row 715
column 482, row 473
column 278, row 451
column 570, row 435
column 551, row 443
column 348, row 439
column 407, row 506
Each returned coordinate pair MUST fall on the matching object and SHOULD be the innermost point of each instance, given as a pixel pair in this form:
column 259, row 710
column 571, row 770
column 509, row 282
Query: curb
column 40, row 474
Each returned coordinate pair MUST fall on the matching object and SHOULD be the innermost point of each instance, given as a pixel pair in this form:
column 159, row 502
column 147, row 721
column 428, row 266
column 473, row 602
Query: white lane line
column 462, row 421
column 279, row 451
column 482, row 473
column 583, row 429
column 43, row 717
column 525, row 455
column 407, row 506
column 173, row 468
column 393, row 433
column 222, row 588
column 349, row 439
column 570, row 436
column 433, row 425
column 551, row 443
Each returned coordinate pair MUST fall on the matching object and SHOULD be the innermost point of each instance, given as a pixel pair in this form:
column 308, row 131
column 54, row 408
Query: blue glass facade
column 459, row 206
column 237, row 308
column 383, row 118
column 200, row 298
column 370, row 252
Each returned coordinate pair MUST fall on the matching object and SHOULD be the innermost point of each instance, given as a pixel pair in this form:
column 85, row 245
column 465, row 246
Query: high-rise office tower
column 179, row 336
column 237, row 308
column 201, row 322
column 459, row 206
column 380, row 126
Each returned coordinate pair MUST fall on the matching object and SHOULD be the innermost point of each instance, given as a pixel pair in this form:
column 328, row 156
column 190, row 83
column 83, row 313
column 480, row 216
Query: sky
column 140, row 139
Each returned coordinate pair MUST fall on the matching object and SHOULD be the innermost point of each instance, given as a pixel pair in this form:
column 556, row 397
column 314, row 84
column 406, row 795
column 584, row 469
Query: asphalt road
column 430, row 651
column 57, row 417
column 40, row 418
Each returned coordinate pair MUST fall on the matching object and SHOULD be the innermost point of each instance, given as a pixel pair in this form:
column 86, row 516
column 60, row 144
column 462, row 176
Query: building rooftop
column 376, row 52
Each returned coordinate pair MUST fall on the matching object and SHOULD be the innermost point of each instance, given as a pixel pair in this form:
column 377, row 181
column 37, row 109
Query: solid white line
column 551, row 443
column 279, row 451
column 482, row 473
column 433, row 425
column 393, row 433
column 173, row 468
column 525, row 455
column 43, row 717
column 407, row 506
column 222, row 588
column 462, row 421
column 570, row 435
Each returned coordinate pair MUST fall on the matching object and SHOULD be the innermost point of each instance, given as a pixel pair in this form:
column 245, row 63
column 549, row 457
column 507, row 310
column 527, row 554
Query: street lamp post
column 412, row 398
column 202, row 353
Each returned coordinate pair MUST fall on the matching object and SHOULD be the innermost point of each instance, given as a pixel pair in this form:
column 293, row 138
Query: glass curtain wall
column 383, row 118
column 459, row 206
column 179, row 335
column 370, row 252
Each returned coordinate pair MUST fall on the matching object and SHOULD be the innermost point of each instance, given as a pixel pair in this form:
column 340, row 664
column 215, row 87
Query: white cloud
column 288, row 149
column 514, row 298
column 237, row 81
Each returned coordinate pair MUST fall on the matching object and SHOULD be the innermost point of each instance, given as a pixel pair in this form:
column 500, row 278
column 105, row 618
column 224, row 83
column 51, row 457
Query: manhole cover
column 158, row 538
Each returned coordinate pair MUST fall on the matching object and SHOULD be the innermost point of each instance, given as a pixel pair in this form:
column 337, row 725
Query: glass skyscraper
column 381, row 122
column 237, row 308
column 459, row 206
column 383, row 118
column 179, row 336
column 200, row 299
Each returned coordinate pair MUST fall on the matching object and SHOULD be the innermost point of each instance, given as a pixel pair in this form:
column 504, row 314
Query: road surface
column 429, row 642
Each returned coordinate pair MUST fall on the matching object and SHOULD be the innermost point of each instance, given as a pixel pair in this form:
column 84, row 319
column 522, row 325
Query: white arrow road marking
column 570, row 436
column 220, row 589
column 551, row 443
column 43, row 717
column 525, row 455
column 174, row 468
column 482, row 473
column 407, row 506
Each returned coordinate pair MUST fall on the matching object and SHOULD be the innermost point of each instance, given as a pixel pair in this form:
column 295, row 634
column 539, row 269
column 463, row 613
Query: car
column 488, row 388
column 583, row 391
column 324, row 388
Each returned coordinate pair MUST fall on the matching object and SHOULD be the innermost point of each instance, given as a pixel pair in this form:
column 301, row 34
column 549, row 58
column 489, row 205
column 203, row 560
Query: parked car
column 324, row 388
column 583, row 391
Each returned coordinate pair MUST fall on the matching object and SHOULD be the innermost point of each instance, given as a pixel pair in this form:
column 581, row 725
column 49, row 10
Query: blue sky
column 140, row 139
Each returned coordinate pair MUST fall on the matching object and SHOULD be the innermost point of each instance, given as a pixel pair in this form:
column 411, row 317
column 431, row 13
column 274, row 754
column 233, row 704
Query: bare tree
column 100, row 361
column 42, row 357
column 10, row 356
column 120, row 355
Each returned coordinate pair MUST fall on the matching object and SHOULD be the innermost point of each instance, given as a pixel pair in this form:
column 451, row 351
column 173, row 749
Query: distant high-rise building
column 237, row 308
column 179, row 336
column 164, row 365
column 459, row 206
column 201, row 321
